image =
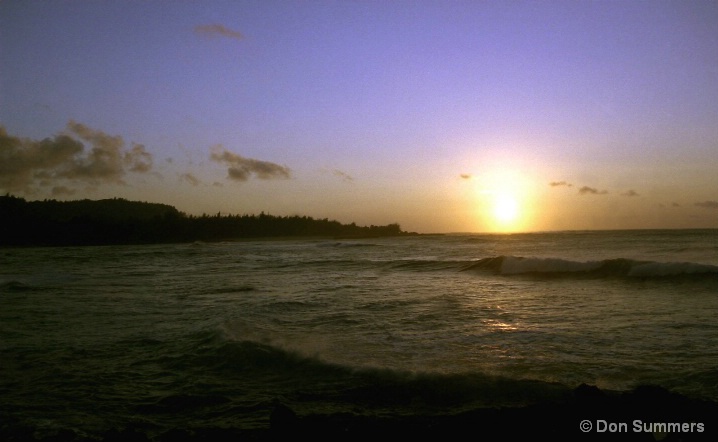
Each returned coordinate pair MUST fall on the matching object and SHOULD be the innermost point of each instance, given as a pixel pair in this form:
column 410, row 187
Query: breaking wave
column 299, row 371
column 619, row 267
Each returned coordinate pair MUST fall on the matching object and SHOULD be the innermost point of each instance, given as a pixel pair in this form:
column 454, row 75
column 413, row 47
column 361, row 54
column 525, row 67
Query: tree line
column 119, row 221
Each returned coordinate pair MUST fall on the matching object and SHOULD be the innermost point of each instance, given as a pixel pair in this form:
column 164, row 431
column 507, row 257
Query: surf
column 606, row 268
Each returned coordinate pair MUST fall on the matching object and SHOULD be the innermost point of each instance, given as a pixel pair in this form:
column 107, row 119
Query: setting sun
column 505, row 200
column 506, row 209
column 506, row 212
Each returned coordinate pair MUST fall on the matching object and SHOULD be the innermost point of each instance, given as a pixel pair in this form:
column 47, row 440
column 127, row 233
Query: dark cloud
column 188, row 177
column 630, row 193
column 344, row 176
column 560, row 183
column 26, row 163
column 708, row 204
column 108, row 159
column 217, row 30
column 139, row 159
column 241, row 168
column 591, row 191
column 675, row 205
column 22, row 160
column 466, row 176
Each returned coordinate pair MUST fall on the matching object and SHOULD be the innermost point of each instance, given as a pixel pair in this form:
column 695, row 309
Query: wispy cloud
column 62, row 160
column 217, row 30
column 343, row 175
column 241, row 168
column 190, row 178
column 559, row 184
column 708, row 204
column 585, row 190
column 630, row 193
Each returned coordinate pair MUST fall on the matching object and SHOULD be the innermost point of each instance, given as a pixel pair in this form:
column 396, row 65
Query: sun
column 503, row 200
column 506, row 209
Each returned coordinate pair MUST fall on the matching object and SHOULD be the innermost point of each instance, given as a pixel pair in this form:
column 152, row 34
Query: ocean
column 185, row 337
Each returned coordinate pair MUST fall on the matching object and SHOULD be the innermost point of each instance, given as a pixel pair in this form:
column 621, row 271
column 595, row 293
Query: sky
column 442, row 116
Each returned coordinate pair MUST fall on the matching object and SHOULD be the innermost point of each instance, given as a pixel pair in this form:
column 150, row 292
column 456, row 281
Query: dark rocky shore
column 645, row 414
column 640, row 415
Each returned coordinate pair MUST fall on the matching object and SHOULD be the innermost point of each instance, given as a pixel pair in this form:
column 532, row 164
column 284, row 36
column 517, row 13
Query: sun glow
column 505, row 201
column 506, row 208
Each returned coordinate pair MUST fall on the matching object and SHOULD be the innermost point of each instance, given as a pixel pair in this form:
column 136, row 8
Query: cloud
column 241, row 168
column 343, row 175
column 708, row 205
column 560, row 183
column 26, row 164
column 675, row 205
column 139, row 159
column 190, row 178
column 630, row 193
column 107, row 160
column 22, row 161
column 591, row 190
column 217, row 30
column 466, row 176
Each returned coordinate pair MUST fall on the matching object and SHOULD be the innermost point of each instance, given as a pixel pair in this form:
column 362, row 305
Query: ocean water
column 211, row 335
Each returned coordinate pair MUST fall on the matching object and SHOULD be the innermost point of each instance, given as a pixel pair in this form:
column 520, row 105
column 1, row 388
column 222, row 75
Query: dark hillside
column 118, row 221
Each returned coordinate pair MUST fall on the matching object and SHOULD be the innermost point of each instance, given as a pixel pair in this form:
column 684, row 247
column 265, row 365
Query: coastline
column 646, row 413
column 587, row 413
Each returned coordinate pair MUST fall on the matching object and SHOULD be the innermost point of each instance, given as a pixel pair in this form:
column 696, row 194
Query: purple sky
column 432, row 114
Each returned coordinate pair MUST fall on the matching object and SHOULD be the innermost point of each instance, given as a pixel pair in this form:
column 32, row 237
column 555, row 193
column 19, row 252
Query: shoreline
column 646, row 413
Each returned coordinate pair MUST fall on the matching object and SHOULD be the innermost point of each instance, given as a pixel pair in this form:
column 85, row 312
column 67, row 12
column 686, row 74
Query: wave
column 619, row 267
column 509, row 265
column 231, row 377
column 291, row 370
column 424, row 264
column 346, row 244
column 304, row 377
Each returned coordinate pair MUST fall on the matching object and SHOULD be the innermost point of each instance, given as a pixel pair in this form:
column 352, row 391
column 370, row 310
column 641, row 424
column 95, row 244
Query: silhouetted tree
column 118, row 221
